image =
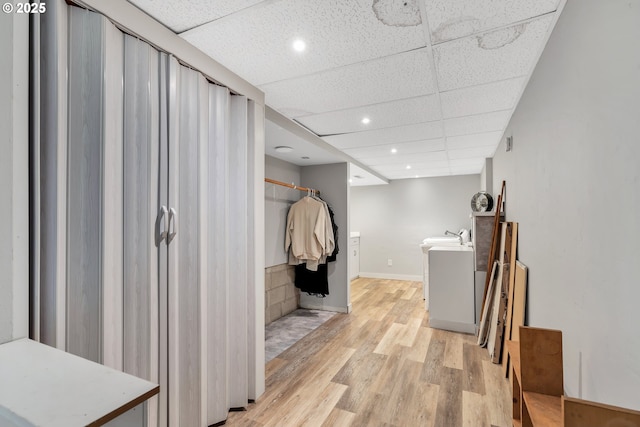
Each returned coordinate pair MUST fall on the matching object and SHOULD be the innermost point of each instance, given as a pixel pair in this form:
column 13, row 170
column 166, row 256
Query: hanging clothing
column 312, row 282
column 309, row 234
column 334, row 227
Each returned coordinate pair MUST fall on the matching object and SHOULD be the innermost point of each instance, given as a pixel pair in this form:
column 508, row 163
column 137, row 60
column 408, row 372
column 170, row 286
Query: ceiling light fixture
column 366, row 120
column 394, row 151
column 299, row 45
column 283, row 149
column 408, row 166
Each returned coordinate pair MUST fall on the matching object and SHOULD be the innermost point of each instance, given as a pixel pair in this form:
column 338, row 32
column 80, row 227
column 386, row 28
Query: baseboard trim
column 409, row 277
column 325, row 307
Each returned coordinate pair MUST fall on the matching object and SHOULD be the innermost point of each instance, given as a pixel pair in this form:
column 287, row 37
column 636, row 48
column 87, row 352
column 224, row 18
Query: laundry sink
column 430, row 242
column 427, row 244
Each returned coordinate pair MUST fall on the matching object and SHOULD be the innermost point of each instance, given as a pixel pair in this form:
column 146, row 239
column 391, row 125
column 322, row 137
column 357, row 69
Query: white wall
column 332, row 181
column 277, row 201
column 14, row 191
column 573, row 184
column 393, row 220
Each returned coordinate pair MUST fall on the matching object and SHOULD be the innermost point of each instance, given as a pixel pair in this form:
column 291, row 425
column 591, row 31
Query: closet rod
column 295, row 187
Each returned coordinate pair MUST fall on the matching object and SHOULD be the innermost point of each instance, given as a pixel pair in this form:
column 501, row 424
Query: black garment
column 334, row 254
column 312, row 282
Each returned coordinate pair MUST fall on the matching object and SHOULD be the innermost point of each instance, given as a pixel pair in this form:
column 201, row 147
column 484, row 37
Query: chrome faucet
column 451, row 233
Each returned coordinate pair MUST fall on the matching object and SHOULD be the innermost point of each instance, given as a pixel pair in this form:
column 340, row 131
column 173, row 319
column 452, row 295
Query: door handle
column 173, row 220
column 162, row 226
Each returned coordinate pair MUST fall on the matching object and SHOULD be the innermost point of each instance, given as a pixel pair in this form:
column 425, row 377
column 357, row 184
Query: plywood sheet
column 484, row 320
column 495, row 310
column 512, row 278
column 519, row 299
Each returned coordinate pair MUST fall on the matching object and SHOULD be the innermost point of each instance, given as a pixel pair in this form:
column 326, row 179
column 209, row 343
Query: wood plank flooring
column 381, row 365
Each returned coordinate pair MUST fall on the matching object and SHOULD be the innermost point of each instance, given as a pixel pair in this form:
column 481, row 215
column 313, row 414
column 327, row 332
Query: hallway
column 381, row 365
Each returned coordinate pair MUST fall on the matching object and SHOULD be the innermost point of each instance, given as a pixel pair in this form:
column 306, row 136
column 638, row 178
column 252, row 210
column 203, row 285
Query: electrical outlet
column 389, row 262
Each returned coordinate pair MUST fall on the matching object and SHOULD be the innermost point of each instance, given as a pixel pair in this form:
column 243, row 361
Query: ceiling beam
column 310, row 137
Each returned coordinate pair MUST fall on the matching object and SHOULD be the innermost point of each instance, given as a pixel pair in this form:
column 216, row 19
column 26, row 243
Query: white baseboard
column 409, row 277
column 325, row 308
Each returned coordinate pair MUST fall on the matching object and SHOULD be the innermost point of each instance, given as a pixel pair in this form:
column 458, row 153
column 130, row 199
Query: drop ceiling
column 437, row 79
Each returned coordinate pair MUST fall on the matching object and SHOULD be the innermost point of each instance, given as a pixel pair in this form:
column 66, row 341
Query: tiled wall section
column 282, row 297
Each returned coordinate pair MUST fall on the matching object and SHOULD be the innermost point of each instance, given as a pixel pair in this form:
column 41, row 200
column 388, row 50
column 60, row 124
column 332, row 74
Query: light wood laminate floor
column 381, row 365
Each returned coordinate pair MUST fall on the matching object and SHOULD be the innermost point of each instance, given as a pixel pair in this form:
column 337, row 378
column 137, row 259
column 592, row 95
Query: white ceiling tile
column 497, row 55
column 453, row 19
column 402, row 112
column 477, row 162
column 477, row 124
column 487, row 139
column 424, row 173
column 466, row 166
column 400, row 147
column 472, row 152
column 418, row 132
column 416, row 167
column 400, row 76
column 405, row 159
column 186, row 14
column 485, row 98
column 256, row 43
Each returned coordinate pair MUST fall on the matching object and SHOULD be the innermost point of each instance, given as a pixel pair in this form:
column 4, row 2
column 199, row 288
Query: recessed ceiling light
column 366, row 120
column 350, row 181
column 417, row 176
column 299, row 45
column 394, row 151
column 283, row 149
column 408, row 166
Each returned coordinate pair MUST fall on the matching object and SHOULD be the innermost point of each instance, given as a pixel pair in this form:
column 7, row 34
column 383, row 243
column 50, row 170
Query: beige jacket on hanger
column 309, row 236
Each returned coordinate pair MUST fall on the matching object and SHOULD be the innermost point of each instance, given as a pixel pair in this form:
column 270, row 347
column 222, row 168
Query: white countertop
column 44, row 386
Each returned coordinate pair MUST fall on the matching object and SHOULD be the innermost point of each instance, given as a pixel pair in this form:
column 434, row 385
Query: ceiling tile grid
column 404, row 75
column 385, row 115
column 405, row 159
column 372, row 138
column 440, row 93
column 412, row 147
column 336, row 32
column 478, row 123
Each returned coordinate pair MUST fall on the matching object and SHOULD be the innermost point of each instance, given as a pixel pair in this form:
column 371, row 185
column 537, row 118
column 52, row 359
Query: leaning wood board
column 502, row 310
column 494, row 240
column 512, row 279
column 484, row 320
column 519, row 300
column 495, row 303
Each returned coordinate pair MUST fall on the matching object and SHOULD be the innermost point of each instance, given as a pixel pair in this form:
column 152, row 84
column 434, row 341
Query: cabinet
column 354, row 254
column 451, row 288
column 537, row 377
